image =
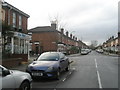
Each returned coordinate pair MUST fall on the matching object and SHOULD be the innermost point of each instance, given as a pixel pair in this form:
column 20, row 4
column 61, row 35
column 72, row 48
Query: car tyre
column 58, row 75
column 67, row 68
column 25, row 86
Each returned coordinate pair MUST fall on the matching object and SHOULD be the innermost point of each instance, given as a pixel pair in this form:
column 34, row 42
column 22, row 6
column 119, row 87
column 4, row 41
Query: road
column 87, row 71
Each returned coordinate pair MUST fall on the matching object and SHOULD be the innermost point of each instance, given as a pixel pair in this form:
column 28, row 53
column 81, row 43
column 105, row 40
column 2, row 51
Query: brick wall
column 47, row 41
column 24, row 19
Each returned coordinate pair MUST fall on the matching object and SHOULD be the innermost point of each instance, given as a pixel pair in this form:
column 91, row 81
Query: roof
column 5, row 4
column 42, row 29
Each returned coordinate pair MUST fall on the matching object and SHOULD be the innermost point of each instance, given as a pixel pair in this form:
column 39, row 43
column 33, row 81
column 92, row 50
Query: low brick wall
column 14, row 60
column 11, row 62
column 23, row 56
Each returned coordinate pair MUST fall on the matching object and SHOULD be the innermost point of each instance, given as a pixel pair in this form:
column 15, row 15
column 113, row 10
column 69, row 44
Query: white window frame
column 20, row 22
column 14, row 19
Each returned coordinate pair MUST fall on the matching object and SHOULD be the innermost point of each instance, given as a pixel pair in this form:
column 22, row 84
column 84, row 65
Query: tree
column 94, row 44
column 58, row 20
column 7, row 32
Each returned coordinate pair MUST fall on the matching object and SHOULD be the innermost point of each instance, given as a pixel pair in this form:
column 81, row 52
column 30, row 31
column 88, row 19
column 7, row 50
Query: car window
column 48, row 57
column 62, row 56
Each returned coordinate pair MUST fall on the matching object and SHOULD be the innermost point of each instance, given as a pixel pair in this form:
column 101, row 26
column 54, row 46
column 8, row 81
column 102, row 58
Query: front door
column 37, row 49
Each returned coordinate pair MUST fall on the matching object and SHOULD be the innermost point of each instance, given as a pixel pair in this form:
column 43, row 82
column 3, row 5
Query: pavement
column 111, row 54
column 23, row 65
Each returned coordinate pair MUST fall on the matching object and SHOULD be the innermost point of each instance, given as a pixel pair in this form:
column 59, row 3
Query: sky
column 88, row 20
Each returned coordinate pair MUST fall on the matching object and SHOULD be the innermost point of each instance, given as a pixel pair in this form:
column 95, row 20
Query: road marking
column 64, row 79
column 73, row 68
column 96, row 64
column 99, row 80
column 71, row 62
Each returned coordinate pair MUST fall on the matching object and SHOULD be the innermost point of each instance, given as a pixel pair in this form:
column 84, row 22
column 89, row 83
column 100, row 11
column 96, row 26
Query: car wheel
column 68, row 68
column 58, row 75
column 25, row 86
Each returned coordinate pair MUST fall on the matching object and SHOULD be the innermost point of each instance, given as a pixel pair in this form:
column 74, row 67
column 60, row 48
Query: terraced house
column 15, row 39
column 112, row 45
column 48, row 38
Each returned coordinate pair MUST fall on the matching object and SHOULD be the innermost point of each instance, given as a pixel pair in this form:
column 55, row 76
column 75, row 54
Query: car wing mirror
column 5, row 72
column 62, row 59
column 34, row 59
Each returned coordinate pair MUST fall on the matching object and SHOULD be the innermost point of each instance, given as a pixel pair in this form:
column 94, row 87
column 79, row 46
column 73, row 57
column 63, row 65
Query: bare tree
column 94, row 44
column 58, row 20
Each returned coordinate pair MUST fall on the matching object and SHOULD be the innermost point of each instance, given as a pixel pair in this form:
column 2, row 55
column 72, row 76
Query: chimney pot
column 71, row 36
column 53, row 26
column 67, row 33
column 62, row 30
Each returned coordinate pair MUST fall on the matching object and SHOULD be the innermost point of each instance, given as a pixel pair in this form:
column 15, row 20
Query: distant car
column 49, row 64
column 13, row 79
column 100, row 50
column 84, row 52
column 87, row 50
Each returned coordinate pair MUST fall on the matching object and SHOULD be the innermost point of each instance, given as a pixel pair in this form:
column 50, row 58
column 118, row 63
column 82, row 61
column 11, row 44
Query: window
column 62, row 56
column 16, row 46
column 49, row 57
column 14, row 20
column 20, row 22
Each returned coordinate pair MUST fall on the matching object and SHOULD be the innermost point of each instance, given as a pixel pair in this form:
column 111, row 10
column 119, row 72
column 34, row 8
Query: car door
column 8, row 81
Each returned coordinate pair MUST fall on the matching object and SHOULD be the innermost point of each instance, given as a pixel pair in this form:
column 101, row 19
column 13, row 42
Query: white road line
column 70, row 73
column 98, row 75
column 96, row 64
column 99, row 80
column 64, row 79
column 73, row 68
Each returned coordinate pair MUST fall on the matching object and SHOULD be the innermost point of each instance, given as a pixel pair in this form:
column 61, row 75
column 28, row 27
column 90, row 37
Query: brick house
column 15, row 39
column 48, row 38
column 111, row 45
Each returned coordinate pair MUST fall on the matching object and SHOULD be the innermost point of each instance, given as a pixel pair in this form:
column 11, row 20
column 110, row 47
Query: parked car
column 49, row 64
column 99, row 50
column 84, row 52
column 13, row 79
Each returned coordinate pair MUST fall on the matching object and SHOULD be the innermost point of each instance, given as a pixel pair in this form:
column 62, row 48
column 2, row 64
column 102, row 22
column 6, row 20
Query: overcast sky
column 87, row 19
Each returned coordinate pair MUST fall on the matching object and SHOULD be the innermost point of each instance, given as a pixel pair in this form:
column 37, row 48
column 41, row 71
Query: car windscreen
column 48, row 57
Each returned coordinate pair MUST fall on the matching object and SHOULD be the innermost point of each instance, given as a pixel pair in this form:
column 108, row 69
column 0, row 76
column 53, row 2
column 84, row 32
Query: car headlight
column 29, row 68
column 50, row 69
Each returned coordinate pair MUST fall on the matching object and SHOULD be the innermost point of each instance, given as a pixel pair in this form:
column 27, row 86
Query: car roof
column 53, row 52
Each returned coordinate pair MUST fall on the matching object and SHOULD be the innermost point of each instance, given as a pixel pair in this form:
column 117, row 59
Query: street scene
column 94, row 70
column 60, row 44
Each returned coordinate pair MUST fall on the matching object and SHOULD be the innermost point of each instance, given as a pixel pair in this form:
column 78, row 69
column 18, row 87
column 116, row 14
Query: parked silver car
column 13, row 79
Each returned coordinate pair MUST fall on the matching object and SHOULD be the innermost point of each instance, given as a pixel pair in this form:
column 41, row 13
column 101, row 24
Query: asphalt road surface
column 87, row 71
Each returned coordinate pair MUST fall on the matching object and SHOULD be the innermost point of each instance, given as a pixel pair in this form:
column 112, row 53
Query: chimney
column 71, row 36
column 76, row 38
column 53, row 25
column 67, row 33
column 62, row 30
